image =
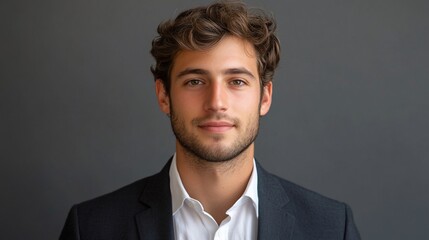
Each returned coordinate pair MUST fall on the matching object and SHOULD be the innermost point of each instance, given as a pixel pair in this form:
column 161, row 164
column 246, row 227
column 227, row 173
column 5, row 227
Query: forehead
column 230, row 52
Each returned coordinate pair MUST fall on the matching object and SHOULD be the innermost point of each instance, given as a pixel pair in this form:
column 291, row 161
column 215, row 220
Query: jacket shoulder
column 128, row 195
column 112, row 214
column 305, row 196
column 316, row 214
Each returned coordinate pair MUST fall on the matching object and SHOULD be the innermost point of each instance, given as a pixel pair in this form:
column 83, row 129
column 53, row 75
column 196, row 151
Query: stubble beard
column 195, row 148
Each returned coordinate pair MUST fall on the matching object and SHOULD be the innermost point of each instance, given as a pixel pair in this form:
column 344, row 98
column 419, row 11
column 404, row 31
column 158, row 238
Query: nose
column 216, row 97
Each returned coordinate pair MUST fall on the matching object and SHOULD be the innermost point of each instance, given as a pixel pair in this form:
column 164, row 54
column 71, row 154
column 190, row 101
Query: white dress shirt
column 191, row 222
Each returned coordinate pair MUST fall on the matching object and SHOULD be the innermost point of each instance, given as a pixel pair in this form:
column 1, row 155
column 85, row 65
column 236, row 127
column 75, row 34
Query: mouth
column 216, row 126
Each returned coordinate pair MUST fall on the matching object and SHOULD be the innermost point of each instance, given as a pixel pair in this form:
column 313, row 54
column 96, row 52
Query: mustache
column 216, row 117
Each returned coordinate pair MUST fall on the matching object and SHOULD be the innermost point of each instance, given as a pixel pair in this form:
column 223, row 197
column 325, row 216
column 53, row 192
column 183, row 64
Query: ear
column 163, row 97
column 266, row 98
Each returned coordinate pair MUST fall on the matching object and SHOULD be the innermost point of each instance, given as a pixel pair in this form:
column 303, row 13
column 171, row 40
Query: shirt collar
column 178, row 191
column 252, row 188
column 179, row 194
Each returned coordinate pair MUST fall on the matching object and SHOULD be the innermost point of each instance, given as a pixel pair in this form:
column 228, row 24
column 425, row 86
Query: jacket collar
column 275, row 220
column 156, row 221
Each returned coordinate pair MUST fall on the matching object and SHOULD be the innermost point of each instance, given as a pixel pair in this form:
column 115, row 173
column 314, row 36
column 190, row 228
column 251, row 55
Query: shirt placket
column 222, row 232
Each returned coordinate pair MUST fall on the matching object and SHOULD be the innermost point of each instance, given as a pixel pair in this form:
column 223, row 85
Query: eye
column 238, row 82
column 194, row 82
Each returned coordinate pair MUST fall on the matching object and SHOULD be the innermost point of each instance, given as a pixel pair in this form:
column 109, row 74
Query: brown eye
column 194, row 82
column 238, row 82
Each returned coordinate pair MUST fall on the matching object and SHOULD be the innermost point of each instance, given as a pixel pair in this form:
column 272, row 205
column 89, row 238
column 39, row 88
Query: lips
column 216, row 126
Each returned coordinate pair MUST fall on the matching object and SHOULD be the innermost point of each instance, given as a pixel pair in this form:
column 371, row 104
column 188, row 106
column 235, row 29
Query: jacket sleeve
column 351, row 232
column 71, row 227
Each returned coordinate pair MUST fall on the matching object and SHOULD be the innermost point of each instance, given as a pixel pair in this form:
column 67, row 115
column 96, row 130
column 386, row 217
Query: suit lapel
column 275, row 221
column 155, row 221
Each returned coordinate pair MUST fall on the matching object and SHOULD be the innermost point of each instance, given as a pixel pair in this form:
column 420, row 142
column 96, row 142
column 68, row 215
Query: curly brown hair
column 202, row 27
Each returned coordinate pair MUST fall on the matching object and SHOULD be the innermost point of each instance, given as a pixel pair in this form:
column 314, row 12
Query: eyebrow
column 197, row 71
column 229, row 71
column 241, row 70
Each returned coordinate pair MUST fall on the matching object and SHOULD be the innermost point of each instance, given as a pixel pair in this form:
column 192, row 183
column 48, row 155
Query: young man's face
column 215, row 100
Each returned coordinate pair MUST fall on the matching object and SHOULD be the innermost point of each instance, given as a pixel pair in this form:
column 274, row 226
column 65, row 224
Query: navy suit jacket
column 142, row 210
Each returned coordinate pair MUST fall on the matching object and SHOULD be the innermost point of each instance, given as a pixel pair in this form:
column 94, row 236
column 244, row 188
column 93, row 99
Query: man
column 213, row 73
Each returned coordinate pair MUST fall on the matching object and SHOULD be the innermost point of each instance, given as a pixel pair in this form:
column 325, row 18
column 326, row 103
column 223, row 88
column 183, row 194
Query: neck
column 217, row 185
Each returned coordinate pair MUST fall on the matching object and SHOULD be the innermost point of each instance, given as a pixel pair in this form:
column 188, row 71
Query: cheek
column 247, row 101
column 185, row 105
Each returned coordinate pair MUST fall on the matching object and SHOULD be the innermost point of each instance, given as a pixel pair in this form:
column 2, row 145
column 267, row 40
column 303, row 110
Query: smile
column 216, row 126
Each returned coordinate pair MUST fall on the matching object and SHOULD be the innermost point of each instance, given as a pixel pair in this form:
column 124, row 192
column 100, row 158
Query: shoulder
column 112, row 215
column 314, row 214
column 314, row 210
column 317, row 215
column 306, row 197
column 130, row 195
column 293, row 193
column 94, row 218
column 126, row 200
column 117, row 202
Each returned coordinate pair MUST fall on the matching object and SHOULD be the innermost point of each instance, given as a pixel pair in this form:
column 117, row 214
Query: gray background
column 349, row 119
